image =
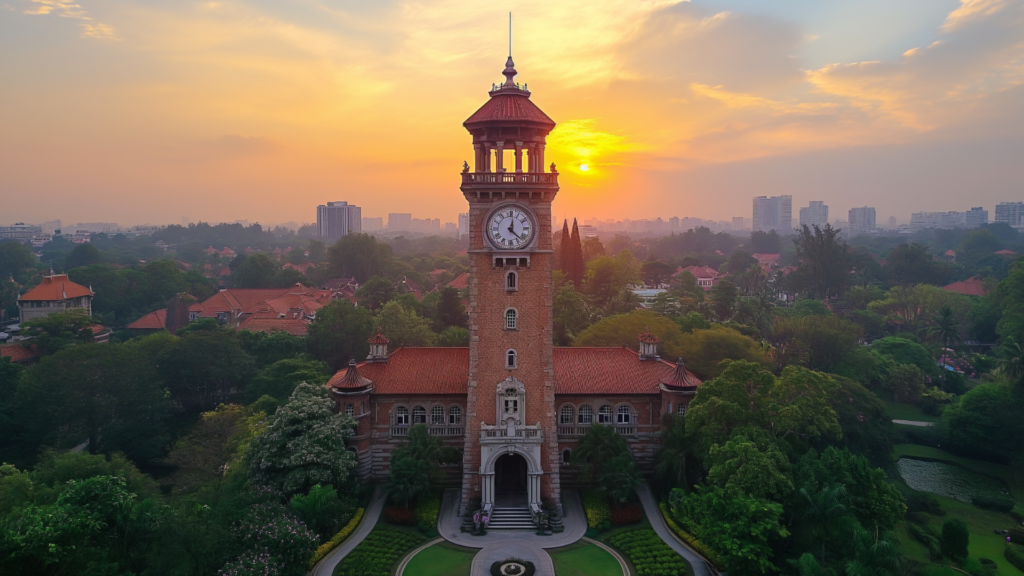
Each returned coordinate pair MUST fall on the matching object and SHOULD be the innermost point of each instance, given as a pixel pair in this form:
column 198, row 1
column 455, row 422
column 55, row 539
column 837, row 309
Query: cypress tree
column 576, row 256
column 564, row 250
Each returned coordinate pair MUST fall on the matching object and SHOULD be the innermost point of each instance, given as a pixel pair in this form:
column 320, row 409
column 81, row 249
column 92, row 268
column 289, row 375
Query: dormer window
column 510, row 359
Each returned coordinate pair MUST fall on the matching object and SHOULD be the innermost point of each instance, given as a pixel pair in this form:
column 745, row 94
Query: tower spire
column 510, row 34
column 510, row 67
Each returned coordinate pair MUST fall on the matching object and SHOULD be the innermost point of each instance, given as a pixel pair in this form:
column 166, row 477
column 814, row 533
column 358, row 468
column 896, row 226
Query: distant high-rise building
column 976, row 217
column 1011, row 213
column 375, row 224
column 463, row 224
column 399, row 222
column 775, row 213
column 862, row 220
column 892, row 222
column 815, row 214
column 337, row 219
column 738, row 223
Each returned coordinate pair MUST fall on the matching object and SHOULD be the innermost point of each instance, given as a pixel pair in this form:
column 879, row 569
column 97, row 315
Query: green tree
column 304, row 445
column 906, row 382
column 1010, row 293
column 607, row 281
column 905, row 351
column 453, row 336
column 825, row 339
column 267, row 349
column 317, row 251
column 403, row 327
column 872, row 500
column 83, row 255
column 105, row 395
column 571, row 315
column 360, row 256
column 414, row 464
column 984, row 423
column 670, row 464
column 955, row 539
column 339, row 334
column 450, row 310
column 705, row 350
column 744, row 467
column 255, row 271
column 824, row 262
column 57, row 331
column 740, row 529
column 376, row 293
column 15, row 258
column 279, row 379
column 209, row 448
column 910, row 264
column 597, row 450
column 322, row 510
column 202, row 368
column 724, row 296
column 1011, row 360
column 620, row 478
column 625, row 329
column 765, row 242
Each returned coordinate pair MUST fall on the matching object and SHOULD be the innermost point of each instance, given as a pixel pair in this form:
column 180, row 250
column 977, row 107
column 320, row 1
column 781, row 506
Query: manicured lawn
column 380, row 551
column 443, row 559
column 900, row 411
column 584, row 559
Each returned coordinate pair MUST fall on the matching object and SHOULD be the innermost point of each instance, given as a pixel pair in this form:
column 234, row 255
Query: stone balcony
column 505, row 179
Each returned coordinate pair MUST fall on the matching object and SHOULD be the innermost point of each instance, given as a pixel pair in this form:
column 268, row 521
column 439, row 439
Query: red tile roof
column 512, row 106
column 18, row 353
column 56, row 287
column 770, row 259
column 577, row 371
column 153, row 321
column 461, row 282
column 1006, row 253
column 970, row 287
column 256, row 323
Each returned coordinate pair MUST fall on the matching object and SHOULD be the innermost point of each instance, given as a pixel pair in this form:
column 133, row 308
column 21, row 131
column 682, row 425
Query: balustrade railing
column 583, row 429
column 431, row 430
column 525, row 178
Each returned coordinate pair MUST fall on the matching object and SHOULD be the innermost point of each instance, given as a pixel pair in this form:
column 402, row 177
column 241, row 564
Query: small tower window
column 401, row 416
column 350, row 409
column 586, row 415
column 511, row 280
column 682, row 409
column 625, row 415
column 419, row 415
column 510, row 359
column 566, row 457
column 455, row 415
column 437, row 416
column 568, row 415
column 510, row 319
column 604, row 415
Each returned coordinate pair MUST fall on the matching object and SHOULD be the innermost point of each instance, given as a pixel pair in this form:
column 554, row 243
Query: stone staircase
column 511, row 519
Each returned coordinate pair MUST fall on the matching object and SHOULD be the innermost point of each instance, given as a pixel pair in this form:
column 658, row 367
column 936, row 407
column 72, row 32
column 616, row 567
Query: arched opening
column 510, row 482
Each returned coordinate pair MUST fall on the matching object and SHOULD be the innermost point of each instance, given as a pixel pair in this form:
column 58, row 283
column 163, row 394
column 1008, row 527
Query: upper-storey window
column 510, row 359
column 455, row 415
column 511, row 280
column 402, row 416
column 437, row 416
column 568, row 415
column 510, row 319
column 625, row 415
column 419, row 415
column 586, row 415
column 604, row 415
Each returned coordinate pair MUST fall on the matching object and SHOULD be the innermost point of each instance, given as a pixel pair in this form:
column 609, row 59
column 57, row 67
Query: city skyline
column 675, row 107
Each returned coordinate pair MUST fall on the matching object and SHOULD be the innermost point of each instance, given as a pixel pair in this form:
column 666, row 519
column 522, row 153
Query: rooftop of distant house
column 55, row 287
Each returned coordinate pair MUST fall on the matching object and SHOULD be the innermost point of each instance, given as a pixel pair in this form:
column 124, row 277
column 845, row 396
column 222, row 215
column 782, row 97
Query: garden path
column 366, row 524
column 701, row 567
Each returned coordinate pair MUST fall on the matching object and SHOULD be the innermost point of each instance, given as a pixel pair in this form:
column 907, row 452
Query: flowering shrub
column 428, row 507
column 401, row 516
column 378, row 553
column 596, row 506
column 276, row 542
column 336, row 539
column 628, row 513
column 648, row 553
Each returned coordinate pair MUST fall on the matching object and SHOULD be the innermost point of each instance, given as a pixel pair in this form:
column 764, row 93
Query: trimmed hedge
column 596, row 505
column 1014, row 554
column 378, row 553
column 993, row 503
column 1016, row 534
column 336, row 539
column 648, row 553
column 685, row 536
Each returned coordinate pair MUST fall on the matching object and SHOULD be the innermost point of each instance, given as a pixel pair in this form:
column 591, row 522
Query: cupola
column 378, row 347
column 680, row 377
column 648, row 346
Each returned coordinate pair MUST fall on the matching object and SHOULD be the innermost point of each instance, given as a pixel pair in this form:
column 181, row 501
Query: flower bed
column 685, row 536
column 401, row 516
column 427, row 508
column 648, row 553
column 596, row 505
column 378, row 553
column 336, row 539
column 628, row 513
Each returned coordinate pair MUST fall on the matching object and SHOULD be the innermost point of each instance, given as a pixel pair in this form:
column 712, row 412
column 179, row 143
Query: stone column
column 540, row 158
column 533, row 489
column 486, row 489
column 499, row 157
column 519, row 157
column 478, row 157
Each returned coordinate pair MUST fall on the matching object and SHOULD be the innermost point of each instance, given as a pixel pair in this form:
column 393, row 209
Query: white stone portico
column 510, row 436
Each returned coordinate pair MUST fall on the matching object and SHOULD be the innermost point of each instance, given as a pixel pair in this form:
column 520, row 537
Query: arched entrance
column 510, row 481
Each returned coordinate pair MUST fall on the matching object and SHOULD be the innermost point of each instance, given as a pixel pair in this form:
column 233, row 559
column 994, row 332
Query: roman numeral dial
column 510, row 228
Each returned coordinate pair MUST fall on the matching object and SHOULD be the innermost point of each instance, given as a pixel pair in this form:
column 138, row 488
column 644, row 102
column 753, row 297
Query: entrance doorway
column 510, row 482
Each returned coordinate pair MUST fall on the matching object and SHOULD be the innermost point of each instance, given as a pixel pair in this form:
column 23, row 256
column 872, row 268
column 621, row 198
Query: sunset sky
column 148, row 111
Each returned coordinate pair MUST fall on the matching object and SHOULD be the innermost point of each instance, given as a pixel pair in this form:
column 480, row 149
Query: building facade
column 861, row 220
column 54, row 294
column 814, row 214
column 1011, row 213
column 337, row 219
column 774, row 213
column 515, row 404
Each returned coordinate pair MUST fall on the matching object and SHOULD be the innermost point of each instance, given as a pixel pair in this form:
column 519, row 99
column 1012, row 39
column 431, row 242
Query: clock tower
column 511, row 451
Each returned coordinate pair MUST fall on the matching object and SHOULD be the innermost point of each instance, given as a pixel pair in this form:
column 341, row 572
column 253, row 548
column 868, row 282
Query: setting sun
column 584, row 167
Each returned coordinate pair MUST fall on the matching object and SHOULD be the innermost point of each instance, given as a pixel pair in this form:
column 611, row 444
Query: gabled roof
column 1006, row 253
column 56, row 287
column 19, row 353
column 156, row 320
column 461, row 282
column 577, row 371
column 698, row 271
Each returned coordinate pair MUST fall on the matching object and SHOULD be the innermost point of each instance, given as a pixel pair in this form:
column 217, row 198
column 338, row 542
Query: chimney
column 378, row 347
column 648, row 346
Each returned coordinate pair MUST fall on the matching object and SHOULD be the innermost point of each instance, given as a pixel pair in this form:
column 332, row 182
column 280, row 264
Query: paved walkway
column 502, row 544
column 913, row 423
column 366, row 524
column 700, row 566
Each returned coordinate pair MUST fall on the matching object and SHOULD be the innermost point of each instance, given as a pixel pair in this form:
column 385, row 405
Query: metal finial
column 510, row 34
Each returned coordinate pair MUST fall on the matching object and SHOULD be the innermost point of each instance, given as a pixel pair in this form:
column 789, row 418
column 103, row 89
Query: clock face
column 510, row 228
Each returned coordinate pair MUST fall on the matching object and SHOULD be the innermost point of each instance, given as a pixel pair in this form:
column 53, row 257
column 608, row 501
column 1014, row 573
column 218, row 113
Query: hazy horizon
column 256, row 110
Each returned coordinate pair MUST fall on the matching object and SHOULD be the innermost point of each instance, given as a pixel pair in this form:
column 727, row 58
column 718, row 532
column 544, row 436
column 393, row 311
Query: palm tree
column 947, row 329
column 1011, row 359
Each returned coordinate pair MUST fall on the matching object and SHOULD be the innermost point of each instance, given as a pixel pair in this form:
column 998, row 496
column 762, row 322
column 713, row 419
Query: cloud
column 66, row 9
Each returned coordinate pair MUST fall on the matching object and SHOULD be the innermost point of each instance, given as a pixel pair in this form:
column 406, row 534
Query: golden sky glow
column 241, row 109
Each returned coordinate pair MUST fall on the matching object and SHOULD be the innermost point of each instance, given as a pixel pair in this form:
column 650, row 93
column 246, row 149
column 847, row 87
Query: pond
column 948, row 480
